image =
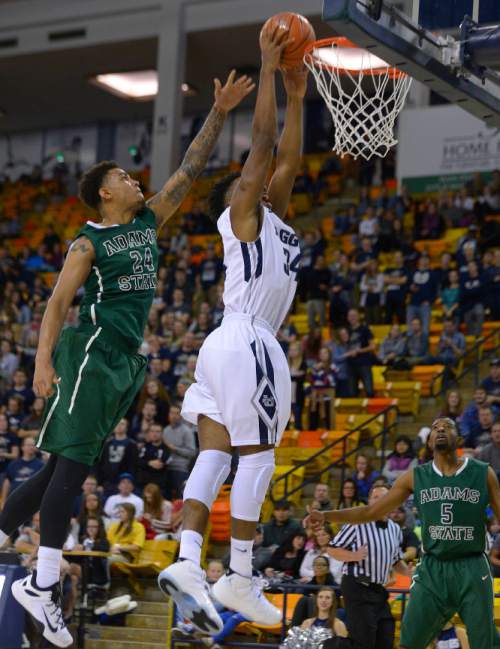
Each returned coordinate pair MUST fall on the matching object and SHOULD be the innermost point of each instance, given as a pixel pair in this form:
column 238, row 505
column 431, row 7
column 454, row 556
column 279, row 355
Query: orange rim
column 345, row 43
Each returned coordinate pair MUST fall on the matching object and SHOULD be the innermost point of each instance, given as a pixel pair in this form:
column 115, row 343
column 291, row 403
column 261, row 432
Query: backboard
column 452, row 46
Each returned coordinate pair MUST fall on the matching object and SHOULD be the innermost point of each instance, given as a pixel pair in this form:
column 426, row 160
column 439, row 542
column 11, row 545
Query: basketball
column 301, row 31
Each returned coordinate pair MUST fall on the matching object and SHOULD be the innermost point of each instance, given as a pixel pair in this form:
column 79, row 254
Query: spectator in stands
column 152, row 459
column 309, row 250
column 91, row 506
column 14, row 412
column 417, row 343
column 340, row 357
column 410, row 545
column 393, row 346
column 30, row 425
column 333, row 573
column 141, row 422
column 322, row 496
column 322, row 381
column 349, row 495
column 153, row 390
column 472, row 300
column 311, row 344
column 396, row 286
column 89, row 486
column 490, row 453
column 450, row 296
column 325, row 614
column 400, row 460
column 368, row 225
column 126, row 536
column 280, row 527
column 210, row 269
column 9, row 361
column 298, row 372
column 318, row 282
column 364, row 475
column 452, row 407
column 21, row 470
column 442, row 272
column 9, row 446
column 492, row 287
column 94, row 540
column 179, row 438
column 431, row 223
column 125, row 495
column 288, row 557
column 422, row 294
column 362, row 257
column 21, row 389
column 341, row 292
column 361, row 349
column 157, row 516
column 372, row 293
column 450, row 347
column 470, row 418
column 119, row 456
column 479, row 434
column 492, row 383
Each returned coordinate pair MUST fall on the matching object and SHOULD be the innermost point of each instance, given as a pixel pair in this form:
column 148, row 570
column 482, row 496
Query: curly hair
column 217, row 196
column 91, row 182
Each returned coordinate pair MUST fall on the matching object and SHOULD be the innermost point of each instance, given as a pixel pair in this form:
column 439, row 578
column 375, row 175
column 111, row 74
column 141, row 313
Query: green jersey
column 120, row 289
column 452, row 509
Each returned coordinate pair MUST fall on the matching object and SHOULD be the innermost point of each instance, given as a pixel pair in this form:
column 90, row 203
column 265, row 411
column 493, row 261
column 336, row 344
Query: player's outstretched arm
column 494, row 492
column 248, row 193
column 75, row 271
column 396, row 496
column 290, row 145
column 165, row 203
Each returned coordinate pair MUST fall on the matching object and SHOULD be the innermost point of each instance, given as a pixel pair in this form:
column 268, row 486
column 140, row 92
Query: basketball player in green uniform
column 92, row 373
column 454, row 576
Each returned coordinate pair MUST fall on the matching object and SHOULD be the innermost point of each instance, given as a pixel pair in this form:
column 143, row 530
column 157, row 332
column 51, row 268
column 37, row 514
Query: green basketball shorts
column 98, row 385
column 442, row 588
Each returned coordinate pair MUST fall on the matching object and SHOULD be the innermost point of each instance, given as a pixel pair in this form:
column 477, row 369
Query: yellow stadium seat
column 425, row 374
column 408, row 395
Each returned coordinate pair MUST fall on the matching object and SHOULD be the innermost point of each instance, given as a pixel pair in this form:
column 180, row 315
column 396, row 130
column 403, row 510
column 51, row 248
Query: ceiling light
column 140, row 85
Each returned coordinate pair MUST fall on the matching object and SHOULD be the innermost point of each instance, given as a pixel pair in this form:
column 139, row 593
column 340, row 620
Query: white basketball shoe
column 186, row 583
column 243, row 594
column 44, row 604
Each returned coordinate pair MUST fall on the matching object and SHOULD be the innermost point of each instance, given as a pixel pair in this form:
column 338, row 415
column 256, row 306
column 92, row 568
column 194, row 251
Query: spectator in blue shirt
column 21, row 470
column 470, row 417
column 492, row 383
column 471, row 300
column 479, row 434
column 417, row 343
column 360, row 354
column 396, row 286
column 364, row 476
column 450, row 346
column 210, row 268
column 422, row 294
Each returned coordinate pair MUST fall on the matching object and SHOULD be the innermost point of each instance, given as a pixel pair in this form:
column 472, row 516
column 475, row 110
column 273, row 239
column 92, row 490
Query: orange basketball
column 300, row 30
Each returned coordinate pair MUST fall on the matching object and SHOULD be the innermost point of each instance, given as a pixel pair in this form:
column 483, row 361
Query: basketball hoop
column 364, row 95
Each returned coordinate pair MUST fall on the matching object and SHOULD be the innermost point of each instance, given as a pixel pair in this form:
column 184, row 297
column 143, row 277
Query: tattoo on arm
column 194, row 161
column 78, row 246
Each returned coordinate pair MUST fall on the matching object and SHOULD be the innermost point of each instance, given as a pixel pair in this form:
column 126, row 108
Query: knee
column 208, row 474
column 251, row 483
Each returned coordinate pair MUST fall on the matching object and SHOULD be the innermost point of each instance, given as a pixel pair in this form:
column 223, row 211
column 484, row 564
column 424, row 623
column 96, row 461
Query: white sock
column 241, row 557
column 191, row 543
column 48, row 571
column 3, row 539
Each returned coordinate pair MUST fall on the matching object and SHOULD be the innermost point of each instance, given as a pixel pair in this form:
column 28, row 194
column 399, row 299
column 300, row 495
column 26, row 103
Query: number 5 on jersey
column 447, row 513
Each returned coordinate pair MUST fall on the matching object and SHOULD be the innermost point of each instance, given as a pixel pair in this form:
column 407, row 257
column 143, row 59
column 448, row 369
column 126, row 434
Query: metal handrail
column 345, row 454
column 475, row 349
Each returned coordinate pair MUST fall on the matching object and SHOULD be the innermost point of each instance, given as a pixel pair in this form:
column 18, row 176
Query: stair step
column 152, row 608
column 130, row 634
column 153, row 594
column 144, row 621
column 91, row 643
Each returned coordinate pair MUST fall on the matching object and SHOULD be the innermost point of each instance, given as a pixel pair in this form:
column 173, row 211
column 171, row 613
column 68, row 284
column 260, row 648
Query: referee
column 369, row 552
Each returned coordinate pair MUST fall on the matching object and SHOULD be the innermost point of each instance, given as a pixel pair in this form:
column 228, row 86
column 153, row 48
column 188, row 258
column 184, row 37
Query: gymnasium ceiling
column 51, row 89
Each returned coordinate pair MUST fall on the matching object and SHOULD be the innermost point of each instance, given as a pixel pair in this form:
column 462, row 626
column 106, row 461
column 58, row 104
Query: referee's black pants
column 368, row 615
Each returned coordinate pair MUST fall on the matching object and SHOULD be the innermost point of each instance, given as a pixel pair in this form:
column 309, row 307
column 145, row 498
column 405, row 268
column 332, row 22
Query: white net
column 364, row 100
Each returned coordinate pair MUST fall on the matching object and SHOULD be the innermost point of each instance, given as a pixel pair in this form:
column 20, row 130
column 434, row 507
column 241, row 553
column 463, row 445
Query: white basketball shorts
column 242, row 382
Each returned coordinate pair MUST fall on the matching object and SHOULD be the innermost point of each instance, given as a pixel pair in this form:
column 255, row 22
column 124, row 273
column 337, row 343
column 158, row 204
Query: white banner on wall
column 442, row 146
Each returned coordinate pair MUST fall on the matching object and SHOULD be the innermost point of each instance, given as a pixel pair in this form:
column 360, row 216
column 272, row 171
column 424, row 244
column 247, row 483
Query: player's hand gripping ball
column 300, row 33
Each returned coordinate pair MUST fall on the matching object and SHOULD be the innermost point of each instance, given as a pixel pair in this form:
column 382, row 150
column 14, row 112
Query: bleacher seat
column 408, row 395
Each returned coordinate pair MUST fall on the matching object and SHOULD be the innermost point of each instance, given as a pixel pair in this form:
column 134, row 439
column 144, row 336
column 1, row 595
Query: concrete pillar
column 168, row 104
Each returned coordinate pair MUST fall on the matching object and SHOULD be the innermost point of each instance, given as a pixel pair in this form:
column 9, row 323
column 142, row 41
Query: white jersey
column 261, row 276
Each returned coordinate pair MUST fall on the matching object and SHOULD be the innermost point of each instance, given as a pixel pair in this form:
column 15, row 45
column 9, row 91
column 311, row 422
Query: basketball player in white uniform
column 242, row 393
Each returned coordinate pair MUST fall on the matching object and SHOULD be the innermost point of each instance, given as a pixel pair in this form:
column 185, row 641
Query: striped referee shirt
column 384, row 543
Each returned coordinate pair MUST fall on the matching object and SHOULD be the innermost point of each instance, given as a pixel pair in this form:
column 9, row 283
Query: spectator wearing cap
column 492, row 383
column 178, row 436
column 423, row 291
column 125, row 494
column 410, row 544
column 281, row 527
column 491, row 452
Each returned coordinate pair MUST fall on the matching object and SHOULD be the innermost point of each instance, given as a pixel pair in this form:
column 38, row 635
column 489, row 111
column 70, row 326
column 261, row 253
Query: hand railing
column 344, row 442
